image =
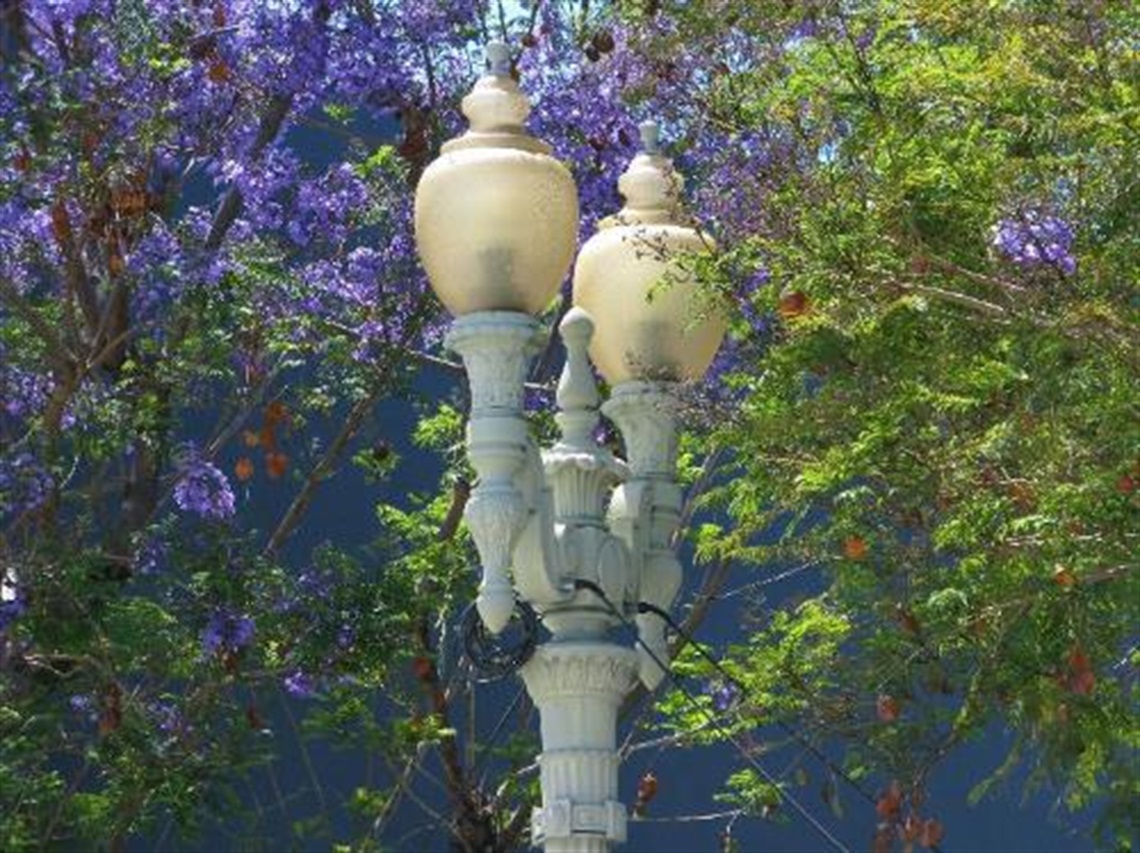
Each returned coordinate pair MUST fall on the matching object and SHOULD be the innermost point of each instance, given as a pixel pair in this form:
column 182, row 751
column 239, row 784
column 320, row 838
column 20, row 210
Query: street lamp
column 576, row 533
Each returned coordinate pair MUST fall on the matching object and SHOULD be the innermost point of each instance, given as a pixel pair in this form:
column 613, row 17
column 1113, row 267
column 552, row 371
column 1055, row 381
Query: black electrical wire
column 490, row 740
column 713, row 721
column 646, row 607
column 490, row 655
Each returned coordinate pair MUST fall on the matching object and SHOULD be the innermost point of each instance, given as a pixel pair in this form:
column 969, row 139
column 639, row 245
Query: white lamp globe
column 651, row 321
column 495, row 215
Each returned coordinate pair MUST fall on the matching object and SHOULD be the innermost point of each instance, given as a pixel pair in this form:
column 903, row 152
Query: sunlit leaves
column 952, row 435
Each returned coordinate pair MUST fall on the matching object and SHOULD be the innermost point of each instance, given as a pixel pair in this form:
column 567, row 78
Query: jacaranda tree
column 928, row 235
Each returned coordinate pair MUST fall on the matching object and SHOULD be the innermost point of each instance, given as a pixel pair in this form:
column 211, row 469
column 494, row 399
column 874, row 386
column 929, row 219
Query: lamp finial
column 650, row 141
column 498, row 58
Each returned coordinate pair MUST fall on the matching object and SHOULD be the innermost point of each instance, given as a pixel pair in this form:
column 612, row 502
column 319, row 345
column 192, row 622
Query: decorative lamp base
column 578, row 687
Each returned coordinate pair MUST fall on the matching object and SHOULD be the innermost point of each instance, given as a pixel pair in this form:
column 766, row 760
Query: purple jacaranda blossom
column 23, row 394
column 26, row 240
column 761, row 325
column 283, row 51
column 167, row 716
column 299, row 685
column 345, row 637
column 83, row 706
column 741, row 351
column 364, row 68
column 536, row 399
column 807, row 28
column 733, row 176
column 1035, row 239
column 156, row 266
column 265, row 186
column 151, row 555
column 67, row 12
column 348, row 291
column 866, row 37
column 606, row 434
column 314, row 584
column 724, row 694
column 24, row 485
column 227, row 631
column 715, row 396
column 345, row 284
column 326, row 207
column 756, row 279
column 202, row 489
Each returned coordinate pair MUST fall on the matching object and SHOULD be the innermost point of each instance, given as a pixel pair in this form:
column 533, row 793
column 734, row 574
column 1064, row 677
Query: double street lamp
column 579, row 535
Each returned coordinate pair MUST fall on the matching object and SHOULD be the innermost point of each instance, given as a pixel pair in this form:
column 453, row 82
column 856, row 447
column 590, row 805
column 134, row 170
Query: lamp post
column 581, row 536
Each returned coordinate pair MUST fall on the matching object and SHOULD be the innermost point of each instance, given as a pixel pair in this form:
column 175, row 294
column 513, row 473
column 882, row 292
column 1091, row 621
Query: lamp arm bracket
column 628, row 518
column 540, row 571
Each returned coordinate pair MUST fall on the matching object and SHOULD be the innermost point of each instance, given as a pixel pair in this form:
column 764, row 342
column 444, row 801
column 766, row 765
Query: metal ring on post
column 490, row 655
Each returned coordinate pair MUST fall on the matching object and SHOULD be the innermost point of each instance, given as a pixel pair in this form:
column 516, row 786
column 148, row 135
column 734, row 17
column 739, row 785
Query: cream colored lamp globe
column 496, row 216
column 644, row 304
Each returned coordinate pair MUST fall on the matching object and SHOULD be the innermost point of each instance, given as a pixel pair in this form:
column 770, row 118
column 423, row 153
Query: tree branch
column 979, row 306
column 323, row 468
column 230, row 208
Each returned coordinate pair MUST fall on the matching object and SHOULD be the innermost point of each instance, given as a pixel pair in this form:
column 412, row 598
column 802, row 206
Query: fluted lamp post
column 581, row 536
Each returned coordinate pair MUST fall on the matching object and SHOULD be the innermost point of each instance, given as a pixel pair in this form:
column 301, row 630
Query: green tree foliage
column 945, row 428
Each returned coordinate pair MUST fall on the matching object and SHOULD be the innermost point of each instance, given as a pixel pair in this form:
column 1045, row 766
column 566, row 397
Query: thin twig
column 693, row 818
column 323, row 468
column 980, row 306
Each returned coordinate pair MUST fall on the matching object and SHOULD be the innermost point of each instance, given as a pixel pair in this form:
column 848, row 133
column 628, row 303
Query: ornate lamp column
column 496, row 223
column 496, row 219
column 653, row 332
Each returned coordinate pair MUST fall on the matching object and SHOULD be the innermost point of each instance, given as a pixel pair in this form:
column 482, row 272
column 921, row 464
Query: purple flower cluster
column 732, row 176
column 326, row 207
column 538, row 399
column 1035, row 239
column 151, row 555
column 226, row 632
column 280, row 48
column 265, row 187
column 724, row 694
column 25, row 234
column 168, row 718
column 299, row 684
column 742, row 348
column 202, row 489
column 156, row 264
column 374, row 291
column 351, row 282
column 24, row 485
column 83, row 706
column 322, row 608
column 22, row 394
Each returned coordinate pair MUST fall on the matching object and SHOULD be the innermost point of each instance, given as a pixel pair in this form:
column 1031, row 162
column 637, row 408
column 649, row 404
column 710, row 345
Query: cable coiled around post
column 496, row 656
